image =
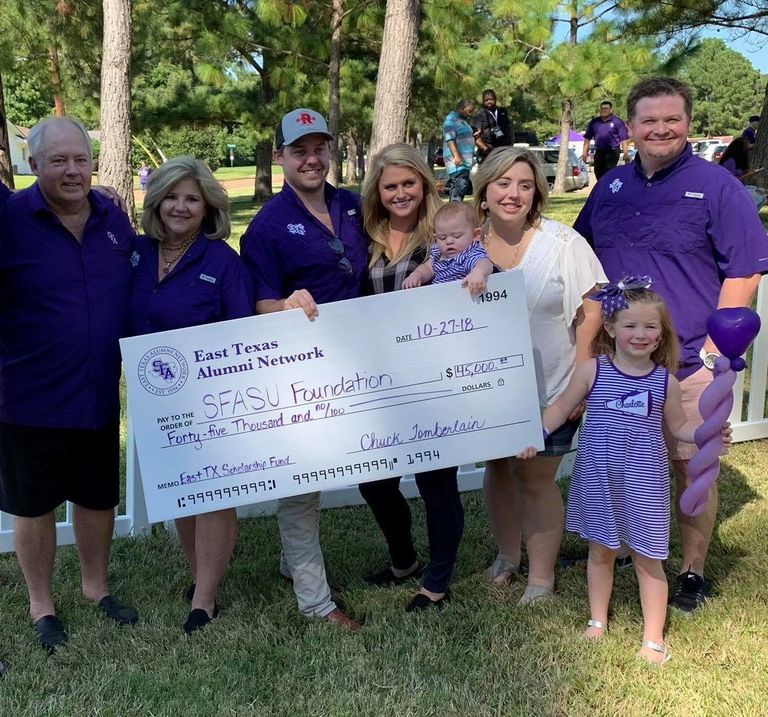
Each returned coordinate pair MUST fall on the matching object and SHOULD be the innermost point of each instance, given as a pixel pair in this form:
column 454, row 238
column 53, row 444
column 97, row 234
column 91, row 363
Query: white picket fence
column 134, row 521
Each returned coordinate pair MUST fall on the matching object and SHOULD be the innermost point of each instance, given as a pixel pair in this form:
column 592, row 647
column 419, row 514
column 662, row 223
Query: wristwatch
column 708, row 358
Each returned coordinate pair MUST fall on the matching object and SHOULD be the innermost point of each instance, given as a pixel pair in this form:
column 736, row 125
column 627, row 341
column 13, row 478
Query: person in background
column 693, row 228
column 459, row 148
column 560, row 271
column 306, row 247
column 750, row 131
column 492, row 123
column 611, row 139
column 399, row 206
column 185, row 274
column 144, row 174
column 64, row 282
column 735, row 159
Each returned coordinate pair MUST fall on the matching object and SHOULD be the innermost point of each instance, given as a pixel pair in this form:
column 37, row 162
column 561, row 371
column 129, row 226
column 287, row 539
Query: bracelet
column 545, row 432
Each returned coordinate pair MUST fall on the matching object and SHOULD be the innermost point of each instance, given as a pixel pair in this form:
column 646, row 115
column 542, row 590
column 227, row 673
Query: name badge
column 351, row 212
column 694, row 195
column 209, row 279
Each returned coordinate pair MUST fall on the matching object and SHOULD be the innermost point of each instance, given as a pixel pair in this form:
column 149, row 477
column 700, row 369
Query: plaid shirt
column 385, row 276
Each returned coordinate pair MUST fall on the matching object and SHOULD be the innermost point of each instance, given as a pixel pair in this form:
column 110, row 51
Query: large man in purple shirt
column 64, row 279
column 694, row 229
column 610, row 135
column 304, row 248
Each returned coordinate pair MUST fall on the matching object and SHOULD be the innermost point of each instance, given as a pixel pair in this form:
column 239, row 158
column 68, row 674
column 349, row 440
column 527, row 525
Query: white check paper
column 255, row 409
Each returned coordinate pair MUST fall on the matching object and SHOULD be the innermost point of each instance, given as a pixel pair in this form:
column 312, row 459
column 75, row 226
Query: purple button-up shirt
column 689, row 227
column 63, row 307
column 4, row 194
column 608, row 134
column 287, row 249
column 210, row 283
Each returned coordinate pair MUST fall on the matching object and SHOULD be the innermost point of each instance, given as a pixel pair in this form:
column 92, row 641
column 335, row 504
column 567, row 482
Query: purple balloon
column 738, row 364
column 733, row 330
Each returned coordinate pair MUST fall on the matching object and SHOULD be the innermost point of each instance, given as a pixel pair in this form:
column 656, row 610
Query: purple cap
column 299, row 123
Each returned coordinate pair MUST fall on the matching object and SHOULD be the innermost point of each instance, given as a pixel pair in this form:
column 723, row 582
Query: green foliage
column 727, row 89
column 206, row 142
column 673, row 17
column 27, row 100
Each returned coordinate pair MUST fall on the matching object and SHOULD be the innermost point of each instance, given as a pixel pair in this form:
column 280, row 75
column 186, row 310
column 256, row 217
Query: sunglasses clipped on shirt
column 338, row 249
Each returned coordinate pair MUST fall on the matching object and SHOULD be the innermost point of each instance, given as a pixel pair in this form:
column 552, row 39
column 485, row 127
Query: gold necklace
column 172, row 255
column 517, row 249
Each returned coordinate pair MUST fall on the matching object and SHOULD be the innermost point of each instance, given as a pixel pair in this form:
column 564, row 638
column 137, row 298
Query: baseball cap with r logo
column 299, row 123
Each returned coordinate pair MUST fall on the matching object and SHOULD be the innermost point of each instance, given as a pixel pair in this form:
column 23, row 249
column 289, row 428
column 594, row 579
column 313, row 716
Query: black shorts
column 41, row 467
column 559, row 442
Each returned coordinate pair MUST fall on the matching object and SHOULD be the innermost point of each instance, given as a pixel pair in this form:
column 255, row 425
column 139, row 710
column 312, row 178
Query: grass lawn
column 483, row 655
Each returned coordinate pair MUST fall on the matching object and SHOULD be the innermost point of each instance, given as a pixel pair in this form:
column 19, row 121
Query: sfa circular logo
column 163, row 371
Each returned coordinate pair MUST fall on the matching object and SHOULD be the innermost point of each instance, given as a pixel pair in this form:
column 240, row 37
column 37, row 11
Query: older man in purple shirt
column 64, row 280
column 304, row 248
column 610, row 134
column 695, row 231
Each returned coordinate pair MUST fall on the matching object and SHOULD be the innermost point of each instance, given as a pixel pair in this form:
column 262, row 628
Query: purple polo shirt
column 608, row 134
column 63, row 307
column 286, row 248
column 4, row 194
column 210, row 283
column 689, row 227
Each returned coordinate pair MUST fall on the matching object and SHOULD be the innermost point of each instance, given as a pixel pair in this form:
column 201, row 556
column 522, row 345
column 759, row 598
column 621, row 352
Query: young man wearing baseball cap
column 306, row 247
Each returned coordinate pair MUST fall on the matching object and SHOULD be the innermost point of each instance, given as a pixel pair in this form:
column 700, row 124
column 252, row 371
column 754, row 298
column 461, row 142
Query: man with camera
column 492, row 124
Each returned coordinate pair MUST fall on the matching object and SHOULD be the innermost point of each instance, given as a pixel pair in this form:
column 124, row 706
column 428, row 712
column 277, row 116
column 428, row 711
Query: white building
column 17, row 139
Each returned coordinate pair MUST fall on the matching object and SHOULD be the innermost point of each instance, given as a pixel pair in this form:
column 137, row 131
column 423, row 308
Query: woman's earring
column 483, row 204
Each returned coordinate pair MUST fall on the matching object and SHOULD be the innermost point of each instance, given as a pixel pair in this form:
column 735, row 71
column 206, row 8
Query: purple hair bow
column 612, row 297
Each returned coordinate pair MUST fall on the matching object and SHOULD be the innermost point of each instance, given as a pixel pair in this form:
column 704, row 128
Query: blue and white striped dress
column 620, row 487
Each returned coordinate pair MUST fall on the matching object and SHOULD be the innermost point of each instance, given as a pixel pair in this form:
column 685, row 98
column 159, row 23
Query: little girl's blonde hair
column 667, row 353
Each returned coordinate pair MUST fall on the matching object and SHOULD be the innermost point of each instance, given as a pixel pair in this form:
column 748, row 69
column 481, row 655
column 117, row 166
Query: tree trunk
column 262, row 190
column 760, row 153
column 334, row 99
column 351, row 173
column 393, row 84
column 360, row 161
column 262, row 187
column 115, row 157
column 6, row 165
column 562, row 158
column 58, row 100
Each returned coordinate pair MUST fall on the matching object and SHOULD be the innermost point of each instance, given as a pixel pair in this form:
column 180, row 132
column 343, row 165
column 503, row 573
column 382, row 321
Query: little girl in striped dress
column 620, row 487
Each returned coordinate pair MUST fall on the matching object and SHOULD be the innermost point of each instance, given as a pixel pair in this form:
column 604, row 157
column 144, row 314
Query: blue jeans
column 459, row 186
column 445, row 522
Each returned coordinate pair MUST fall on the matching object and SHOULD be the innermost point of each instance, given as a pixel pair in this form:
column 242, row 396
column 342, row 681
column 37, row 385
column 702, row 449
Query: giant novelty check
column 260, row 408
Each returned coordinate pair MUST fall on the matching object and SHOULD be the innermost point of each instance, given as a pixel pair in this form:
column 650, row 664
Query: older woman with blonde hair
column 560, row 271
column 185, row 274
column 399, row 205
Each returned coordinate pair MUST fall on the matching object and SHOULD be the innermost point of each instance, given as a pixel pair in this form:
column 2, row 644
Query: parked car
column 577, row 172
column 717, row 152
column 706, row 148
column 708, row 152
column 705, row 145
